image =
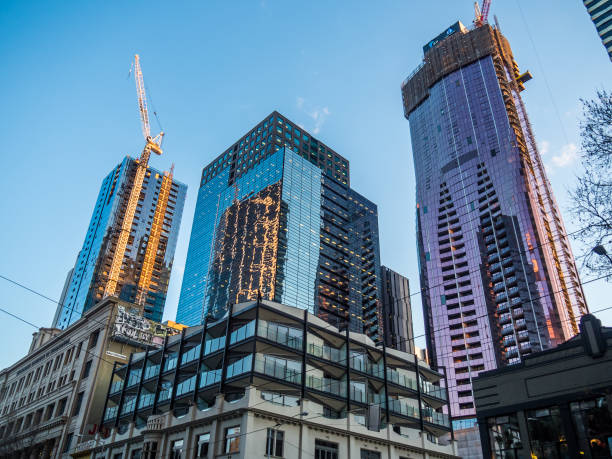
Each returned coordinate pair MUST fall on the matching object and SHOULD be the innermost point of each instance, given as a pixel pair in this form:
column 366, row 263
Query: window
column 118, row 456
column 367, row 454
column 87, row 369
column 136, row 454
column 546, row 434
column 274, row 443
column 61, row 406
column 232, row 439
column 177, row 449
column 150, row 450
column 68, row 441
column 325, row 450
column 77, row 405
column 93, row 339
column 202, row 448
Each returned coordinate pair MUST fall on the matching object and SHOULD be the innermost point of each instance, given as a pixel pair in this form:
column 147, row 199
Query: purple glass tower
column 498, row 276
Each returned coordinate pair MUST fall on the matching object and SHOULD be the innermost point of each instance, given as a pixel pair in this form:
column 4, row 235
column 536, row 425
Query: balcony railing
column 214, row 344
column 186, row 386
column 111, row 412
column 151, row 371
column 281, row 335
column 327, row 353
column 146, row 400
column 191, row 355
column 433, row 391
column 242, row 333
column 399, row 407
column 239, row 366
column 210, row 377
column 402, row 380
column 331, row 386
column 434, row 417
column 277, row 370
column 365, row 366
column 171, row 362
column 116, row 387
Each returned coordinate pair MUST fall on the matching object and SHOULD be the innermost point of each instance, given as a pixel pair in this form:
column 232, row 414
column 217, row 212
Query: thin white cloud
column 544, row 147
column 568, row 155
column 318, row 114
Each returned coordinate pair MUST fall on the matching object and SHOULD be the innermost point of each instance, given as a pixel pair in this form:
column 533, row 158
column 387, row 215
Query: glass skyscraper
column 601, row 15
column 150, row 250
column 397, row 311
column 276, row 218
column 498, row 276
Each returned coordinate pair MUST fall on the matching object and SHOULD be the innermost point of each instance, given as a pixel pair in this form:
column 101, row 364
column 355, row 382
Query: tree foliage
column 592, row 196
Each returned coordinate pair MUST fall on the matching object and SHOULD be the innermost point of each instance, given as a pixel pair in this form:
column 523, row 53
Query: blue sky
column 214, row 69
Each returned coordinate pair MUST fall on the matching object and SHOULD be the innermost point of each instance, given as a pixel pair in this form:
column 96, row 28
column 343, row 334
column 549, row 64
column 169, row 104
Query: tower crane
column 153, row 144
column 481, row 14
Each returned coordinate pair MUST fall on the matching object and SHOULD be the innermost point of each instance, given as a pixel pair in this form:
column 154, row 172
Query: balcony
column 278, row 370
column 191, row 355
column 433, row 417
column 395, row 377
column 116, row 387
column 403, row 409
column 331, row 386
column 433, row 391
column 151, row 371
column 365, row 366
column 146, row 400
column 214, row 344
column 239, row 367
column 209, row 377
column 290, row 337
column 328, row 353
column 242, row 333
column 110, row 413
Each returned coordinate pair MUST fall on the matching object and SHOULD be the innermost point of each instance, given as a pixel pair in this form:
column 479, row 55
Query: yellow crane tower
column 153, row 145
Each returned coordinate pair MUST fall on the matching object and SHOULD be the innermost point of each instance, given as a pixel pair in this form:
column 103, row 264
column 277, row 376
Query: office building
column 497, row 272
column 601, row 15
column 276, row 217
column 270, row 380
column 397, row 311
column 54, row 396
column 554, row 404
column 146, row 263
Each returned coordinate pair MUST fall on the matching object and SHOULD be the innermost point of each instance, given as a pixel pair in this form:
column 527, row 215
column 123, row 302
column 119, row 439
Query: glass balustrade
column 327, row 353
column 242, row 333
column 146, row 400
column 401, row 380
column 434, row 417
column 151, row 371
column 191, row 355
column 116, row 387
column 365, row 366
column 186, row 386
column 134, row 377
column 214, row 344
column 279, row 333
column 279, row 368
column 433, row 391
column 210, row 377
column 332, row 386
column 239, row 366
column 111, row 412
column 402, row 408
column 171, row 361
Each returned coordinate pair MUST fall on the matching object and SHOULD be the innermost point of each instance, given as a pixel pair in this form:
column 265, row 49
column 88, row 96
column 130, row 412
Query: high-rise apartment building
column 276, row 217
column 497, row 271
column 601, row 15
column 145, row 270
column 396, row 310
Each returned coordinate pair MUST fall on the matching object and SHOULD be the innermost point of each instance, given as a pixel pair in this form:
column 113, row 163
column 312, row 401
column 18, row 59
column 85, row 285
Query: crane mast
column 481, row 14
column 153, row 144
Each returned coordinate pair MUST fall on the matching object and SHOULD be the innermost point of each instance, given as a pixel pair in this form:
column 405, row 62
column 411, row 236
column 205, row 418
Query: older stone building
column 54, row 396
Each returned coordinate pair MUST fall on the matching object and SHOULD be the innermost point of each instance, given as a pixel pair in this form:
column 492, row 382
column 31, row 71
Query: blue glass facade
column 497, row 272
column 275, row 216
column 90, row 273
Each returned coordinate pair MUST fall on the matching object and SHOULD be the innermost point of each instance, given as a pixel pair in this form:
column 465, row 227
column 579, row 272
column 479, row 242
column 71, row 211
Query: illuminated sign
column 456, row 27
